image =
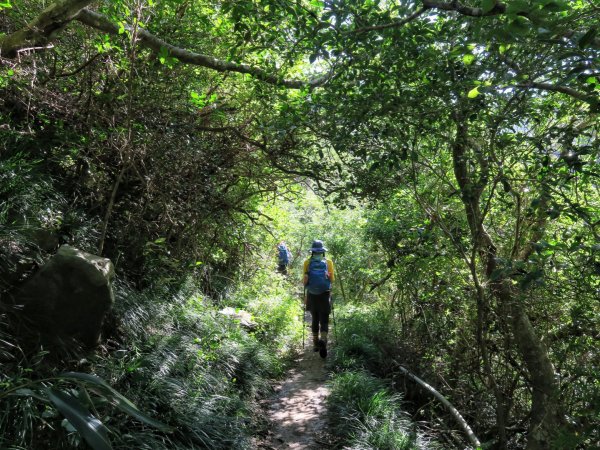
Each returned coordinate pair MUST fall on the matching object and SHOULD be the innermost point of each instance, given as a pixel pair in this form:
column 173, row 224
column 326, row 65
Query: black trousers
column 319, row 307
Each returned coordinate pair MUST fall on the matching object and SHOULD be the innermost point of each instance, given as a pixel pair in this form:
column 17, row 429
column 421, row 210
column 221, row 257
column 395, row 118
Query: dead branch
column 459, row 418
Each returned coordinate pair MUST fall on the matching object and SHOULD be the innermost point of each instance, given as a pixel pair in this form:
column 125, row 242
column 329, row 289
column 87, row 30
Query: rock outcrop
column 69, row 296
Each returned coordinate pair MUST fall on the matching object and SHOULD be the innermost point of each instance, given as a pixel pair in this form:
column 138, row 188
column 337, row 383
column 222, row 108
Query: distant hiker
column 283, row 258
column 318, row 276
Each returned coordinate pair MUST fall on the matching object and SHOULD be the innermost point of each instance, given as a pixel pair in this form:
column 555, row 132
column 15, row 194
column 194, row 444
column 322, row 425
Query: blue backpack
column 318, row 280
column 284, row 255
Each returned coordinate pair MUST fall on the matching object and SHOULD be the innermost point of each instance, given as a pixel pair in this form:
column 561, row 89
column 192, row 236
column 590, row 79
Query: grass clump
column 367, row 414
column 362, row 336
column 197, row 369
column 267, row 296
column 363, row 411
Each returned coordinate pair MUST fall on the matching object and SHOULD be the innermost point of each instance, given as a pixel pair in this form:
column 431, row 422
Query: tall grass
column 202, row 370
column 363, row 335
column 175, row 357
column 364, row 412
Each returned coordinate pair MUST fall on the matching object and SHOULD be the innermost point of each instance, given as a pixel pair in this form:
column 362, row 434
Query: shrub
column 362, row 336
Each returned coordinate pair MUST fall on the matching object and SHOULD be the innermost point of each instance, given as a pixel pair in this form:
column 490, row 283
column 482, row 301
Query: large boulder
column 69, row 296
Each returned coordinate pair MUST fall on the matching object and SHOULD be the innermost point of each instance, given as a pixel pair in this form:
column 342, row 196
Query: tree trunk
column 545, row 410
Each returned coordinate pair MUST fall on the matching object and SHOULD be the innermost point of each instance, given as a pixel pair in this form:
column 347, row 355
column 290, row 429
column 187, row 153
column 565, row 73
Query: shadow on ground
column 298, row 411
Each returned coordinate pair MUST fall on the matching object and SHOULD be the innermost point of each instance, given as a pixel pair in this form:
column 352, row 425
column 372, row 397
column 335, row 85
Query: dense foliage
column 455, row 145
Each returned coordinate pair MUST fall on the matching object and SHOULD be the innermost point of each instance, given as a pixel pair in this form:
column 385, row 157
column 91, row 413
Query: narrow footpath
column 297, row 411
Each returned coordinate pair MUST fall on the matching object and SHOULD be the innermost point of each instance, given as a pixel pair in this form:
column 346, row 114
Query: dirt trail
column 297, row 412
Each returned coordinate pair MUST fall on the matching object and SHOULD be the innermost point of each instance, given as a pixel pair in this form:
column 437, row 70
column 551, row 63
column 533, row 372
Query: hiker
column 283, row 258
column 318, row 276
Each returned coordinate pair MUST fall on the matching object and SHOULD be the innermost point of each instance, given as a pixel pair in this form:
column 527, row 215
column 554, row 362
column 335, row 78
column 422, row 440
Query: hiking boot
column 316, row 341
column 322, row 349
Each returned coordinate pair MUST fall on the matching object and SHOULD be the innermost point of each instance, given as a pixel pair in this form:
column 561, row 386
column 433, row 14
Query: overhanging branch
column 43, row 28
column 155, row 43
column 457, row 416
column 396, row 24
column 499, row 8
column 53, row 19
column 590, row 99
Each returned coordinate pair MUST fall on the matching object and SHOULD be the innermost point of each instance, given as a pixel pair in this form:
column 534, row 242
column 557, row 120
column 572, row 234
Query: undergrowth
column 172, row 353
column 364, row 411
column 176, row 357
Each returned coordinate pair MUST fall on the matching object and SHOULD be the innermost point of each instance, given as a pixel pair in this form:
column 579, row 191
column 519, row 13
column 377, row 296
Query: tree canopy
column 461, row 135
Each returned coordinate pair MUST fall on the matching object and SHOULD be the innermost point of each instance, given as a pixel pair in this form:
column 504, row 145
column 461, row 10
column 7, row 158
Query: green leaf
column 127, row 407
column 86, row 377
column 23, row 392
column 588, row 38
column 117, row 399
column 473, row 93
column 84, row 396
column 487, row 5
column 519, row 25
column 517, row 6
column 89, row 427
column 163, row 55
column 554, row 5
column 468, row 59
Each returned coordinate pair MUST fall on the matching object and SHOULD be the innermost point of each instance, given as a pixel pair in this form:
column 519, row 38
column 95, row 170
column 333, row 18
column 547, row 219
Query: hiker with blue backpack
column 283, row 258
column 318, row 276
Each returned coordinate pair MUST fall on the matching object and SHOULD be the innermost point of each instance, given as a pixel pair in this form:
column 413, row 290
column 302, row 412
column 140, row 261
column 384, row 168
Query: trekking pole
column 334, row 324
column 303, row 318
